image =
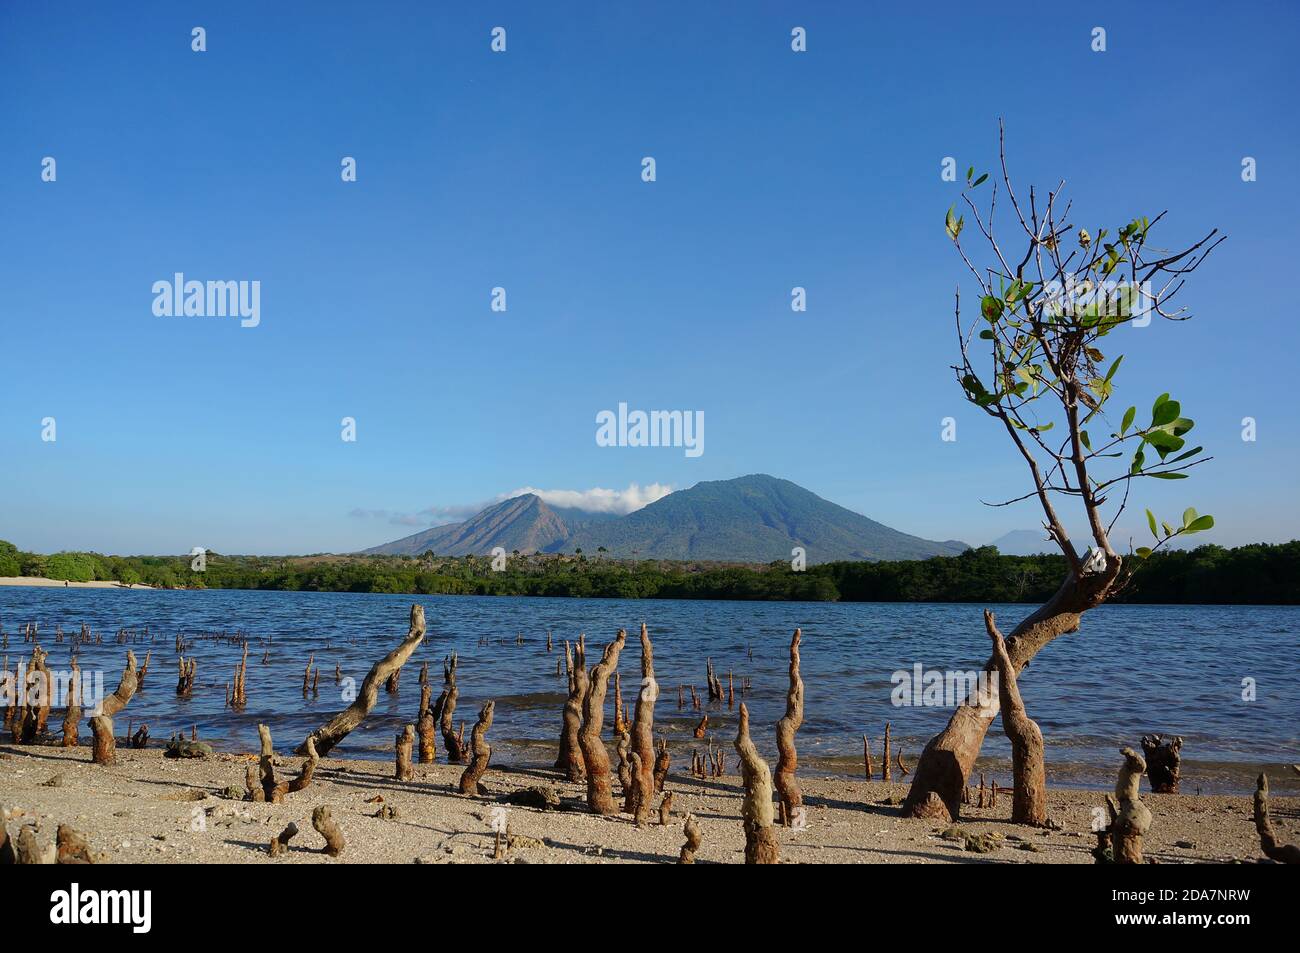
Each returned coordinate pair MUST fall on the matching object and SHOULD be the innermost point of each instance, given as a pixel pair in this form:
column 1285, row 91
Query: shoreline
column 40, row 582
column 149, row 809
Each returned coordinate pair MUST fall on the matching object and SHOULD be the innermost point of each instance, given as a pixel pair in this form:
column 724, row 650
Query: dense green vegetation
column 1256, row 574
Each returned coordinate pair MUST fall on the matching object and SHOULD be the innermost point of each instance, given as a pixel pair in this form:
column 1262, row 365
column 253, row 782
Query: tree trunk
column 947, row 760
column 787, row 784
column 342, row 724
column 1029, row 797
column 594, row 754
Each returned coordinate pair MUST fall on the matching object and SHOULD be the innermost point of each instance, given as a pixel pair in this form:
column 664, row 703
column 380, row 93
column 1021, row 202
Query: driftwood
column 452, row 741
column 1163, row 759
column 280, row 842
column 338, row 727
column 643, row 744
column 898, row 759
column 104, row 749
column 325, row 826
column 1029, row 799
column 482, row 751
column 665, row 809
column 594, row 754
column 884, row 757
column 405, row 744
column 570, row 757
column 702, row 728
column 1268, row 843
column 787, row 784
column 692, row 832
column 866, row 757
column 756, row 810
column 1132, row 818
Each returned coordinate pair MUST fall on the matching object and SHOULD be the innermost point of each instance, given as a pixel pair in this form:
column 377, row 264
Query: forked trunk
column 947, row 760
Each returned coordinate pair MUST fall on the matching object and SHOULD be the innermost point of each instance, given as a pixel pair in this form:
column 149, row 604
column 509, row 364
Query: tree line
column 1261, row 573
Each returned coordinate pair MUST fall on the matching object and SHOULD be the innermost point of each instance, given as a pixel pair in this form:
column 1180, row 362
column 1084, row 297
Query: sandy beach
column 150, row 809
column 42, row 582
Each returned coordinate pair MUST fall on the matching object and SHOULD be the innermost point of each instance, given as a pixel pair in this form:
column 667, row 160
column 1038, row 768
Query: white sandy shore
column 148, row 809
column 61, row 584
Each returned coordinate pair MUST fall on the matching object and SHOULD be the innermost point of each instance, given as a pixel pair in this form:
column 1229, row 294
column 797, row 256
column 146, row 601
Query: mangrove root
column 594, row 754
column 325, row 826
column 338, row 727
column 104, row 748
column 756, row 811
column 482, row 751
column 692, row 832
column 1282, row 853
column 1029, row 778
column 1163, row 759
column 787, row 784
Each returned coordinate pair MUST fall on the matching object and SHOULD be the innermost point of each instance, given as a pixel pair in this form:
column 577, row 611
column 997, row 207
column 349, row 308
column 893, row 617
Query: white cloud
column 598, row 499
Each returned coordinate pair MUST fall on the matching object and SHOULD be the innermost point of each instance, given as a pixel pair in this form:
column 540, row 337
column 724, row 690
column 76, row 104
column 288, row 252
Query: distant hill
column 755, row 518
column 523, row 523
column 1025, row 542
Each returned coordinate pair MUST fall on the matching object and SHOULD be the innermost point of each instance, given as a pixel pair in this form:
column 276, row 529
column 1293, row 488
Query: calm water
column 1130, row 670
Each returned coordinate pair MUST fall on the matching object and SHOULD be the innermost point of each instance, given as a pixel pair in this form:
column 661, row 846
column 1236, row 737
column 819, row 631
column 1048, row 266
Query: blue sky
column 522, row 170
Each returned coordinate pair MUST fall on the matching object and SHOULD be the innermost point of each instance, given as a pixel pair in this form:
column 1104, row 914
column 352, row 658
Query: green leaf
column 1151, row 521
column 1142, row 552
column 1169, row 476
column 1181, row 426
column 987, row 335
column 1189, row 515
column 1128, row 420
column 1114, row 367
column 1199, row 524
column 991, row 308
column 1164, row 413
column 979, row 180
column 1085, row 440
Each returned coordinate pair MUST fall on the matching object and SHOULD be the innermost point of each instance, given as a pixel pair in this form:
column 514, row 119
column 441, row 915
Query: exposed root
column 469, row 781
column 787, row 783
column 760, row 838
column 338, row 727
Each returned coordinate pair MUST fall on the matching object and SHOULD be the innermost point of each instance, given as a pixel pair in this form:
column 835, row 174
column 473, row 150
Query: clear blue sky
column 522, row 170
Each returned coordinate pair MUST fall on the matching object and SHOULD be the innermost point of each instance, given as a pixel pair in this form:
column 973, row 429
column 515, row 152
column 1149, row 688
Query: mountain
column 755, row 518
column 523, row 523
column 1025, row 542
